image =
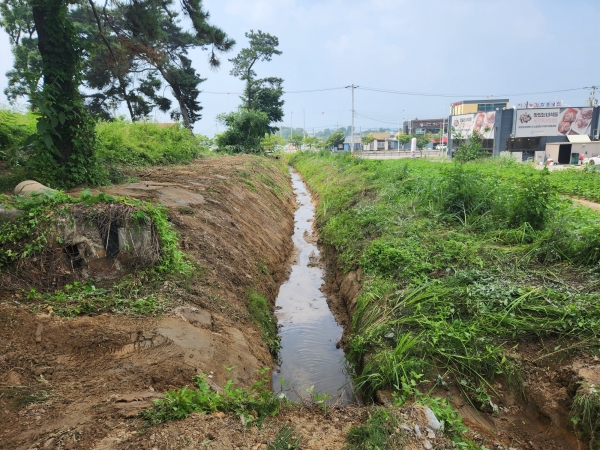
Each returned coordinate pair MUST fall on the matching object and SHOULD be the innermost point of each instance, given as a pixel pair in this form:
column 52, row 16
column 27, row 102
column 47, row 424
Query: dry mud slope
column 76, row 383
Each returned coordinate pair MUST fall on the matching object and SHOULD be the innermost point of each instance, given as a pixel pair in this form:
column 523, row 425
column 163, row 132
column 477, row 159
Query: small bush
column 533, row 202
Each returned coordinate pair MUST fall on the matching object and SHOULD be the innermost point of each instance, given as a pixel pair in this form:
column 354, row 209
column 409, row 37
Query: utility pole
column 592, row 101
column 352, row 132
column 304, row 123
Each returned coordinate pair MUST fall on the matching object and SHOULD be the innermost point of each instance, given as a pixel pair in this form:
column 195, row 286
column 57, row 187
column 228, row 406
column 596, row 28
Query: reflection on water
column 308, row 331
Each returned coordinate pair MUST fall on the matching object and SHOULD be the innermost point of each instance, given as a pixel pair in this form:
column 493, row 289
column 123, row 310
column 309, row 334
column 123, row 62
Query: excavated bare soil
column 66, row 383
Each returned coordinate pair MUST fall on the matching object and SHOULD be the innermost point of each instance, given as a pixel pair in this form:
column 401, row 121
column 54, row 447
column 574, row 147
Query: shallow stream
column 308, row 330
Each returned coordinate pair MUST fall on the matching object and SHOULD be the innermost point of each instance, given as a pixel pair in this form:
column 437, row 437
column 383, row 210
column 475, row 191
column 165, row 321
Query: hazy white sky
column 454, row 47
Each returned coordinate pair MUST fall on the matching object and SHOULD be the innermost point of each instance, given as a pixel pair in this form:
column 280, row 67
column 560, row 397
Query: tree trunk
column 177, row 93
column 59, row 63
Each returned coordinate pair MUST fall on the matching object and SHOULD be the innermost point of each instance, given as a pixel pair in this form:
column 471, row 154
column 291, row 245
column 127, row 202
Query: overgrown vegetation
column 120, row 144
column 252, row 406
column 461, row 263
column 147, row 143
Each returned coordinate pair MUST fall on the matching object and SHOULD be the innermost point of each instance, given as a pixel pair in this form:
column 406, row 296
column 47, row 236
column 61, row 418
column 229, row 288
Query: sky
column 523, row 50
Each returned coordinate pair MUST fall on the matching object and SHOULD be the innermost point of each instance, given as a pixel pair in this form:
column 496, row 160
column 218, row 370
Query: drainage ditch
column 309, row 360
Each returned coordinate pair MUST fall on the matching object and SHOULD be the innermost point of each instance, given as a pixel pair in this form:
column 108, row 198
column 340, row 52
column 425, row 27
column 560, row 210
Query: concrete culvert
column 103, row 241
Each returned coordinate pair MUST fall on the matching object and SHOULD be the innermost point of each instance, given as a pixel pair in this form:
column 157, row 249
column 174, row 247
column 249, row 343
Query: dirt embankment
column 66, row 383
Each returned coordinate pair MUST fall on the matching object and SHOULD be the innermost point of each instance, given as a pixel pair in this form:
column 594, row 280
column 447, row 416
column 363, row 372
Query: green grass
column 147, row 143
column 586, row 414
column 286, row 439
column 252, row 405
column 461, row 263
column 260, row 313
column 379, row 432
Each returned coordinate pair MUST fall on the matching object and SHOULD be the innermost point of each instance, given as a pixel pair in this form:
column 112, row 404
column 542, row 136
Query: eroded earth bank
column 70, row 382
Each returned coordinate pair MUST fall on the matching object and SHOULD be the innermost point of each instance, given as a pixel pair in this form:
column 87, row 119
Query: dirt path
column 592, row 205
column 66, row 383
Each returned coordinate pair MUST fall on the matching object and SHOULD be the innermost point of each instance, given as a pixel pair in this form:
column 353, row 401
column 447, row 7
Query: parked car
column 441, row 147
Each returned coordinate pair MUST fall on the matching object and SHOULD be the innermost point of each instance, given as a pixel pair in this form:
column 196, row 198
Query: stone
column 38, row 332
column 427, row 444
column 432, row 421
column 418, row 431
column 32, row 187
column 9, row 214
column 13, row 379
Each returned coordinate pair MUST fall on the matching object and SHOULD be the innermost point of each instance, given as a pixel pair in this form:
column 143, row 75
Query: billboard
column 482, row 122
column 553, row 122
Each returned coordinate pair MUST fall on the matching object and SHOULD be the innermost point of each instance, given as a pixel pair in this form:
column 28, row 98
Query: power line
column 377, row 120
column 285, row 92
column 414, row 93
column 427, row 94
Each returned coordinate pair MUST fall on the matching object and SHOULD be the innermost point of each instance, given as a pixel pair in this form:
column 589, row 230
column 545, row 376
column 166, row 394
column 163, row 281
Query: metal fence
column 396, row 154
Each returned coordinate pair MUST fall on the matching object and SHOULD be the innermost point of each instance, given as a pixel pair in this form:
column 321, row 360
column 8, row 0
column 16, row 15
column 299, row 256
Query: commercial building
column 527, row 130
column 476, row 106
column 424, row 126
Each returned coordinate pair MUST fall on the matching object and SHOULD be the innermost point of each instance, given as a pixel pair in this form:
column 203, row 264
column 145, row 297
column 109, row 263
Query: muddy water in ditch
column 308, row 330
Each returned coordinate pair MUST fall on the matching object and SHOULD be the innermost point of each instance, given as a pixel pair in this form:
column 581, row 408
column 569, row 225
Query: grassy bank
column 461, row 263
column 120, row 145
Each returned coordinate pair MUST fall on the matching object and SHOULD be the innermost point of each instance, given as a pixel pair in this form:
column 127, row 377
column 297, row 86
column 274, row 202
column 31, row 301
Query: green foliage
column 263, row 94
column 378, row 433
column 533, row 204
column 126, row 297
column 260, row 314
column 286, row 439
column 15, row 129
column 271, row 142
column 296, row 140
column 423, row 141
column 132, row 49
column 147, row 143
column 253, row 406
column 470, row 148
column 336, row 139
column 312, row 141
column 65, row 144
column 245, row 131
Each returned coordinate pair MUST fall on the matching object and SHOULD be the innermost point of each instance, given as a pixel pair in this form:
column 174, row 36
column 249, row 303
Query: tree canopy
column 133, row 48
